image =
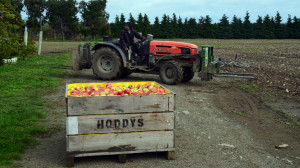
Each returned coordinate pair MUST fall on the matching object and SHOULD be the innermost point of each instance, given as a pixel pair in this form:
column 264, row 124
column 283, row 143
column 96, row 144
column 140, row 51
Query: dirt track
column 208, row 132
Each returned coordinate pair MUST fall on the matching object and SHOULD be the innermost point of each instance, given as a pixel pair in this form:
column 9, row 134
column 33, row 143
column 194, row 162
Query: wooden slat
column 124, row 152
column 120, row 142
column 117, row 104
column 172, row 102
column 120, row 123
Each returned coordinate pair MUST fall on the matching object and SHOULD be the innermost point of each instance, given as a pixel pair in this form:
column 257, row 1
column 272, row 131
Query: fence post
column 25, row 36
column 40, row 42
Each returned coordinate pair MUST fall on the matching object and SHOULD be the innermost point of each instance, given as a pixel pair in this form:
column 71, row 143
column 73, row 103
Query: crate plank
column 119, row 123
column 120, row 142
column 172, row 102
column 124, row 152
column 117, row 104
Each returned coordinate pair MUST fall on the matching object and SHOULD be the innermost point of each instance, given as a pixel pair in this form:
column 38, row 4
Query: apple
column 103, row 94
column 108, row 85
column 72, row 89
column 146, row 90
column 111, row 92
column 139, row 93
column 153, row 90
column 125, row 85
column 127, row 91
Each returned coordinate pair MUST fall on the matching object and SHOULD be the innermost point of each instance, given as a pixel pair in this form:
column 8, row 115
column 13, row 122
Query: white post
column 25, row 36
column 40, row 42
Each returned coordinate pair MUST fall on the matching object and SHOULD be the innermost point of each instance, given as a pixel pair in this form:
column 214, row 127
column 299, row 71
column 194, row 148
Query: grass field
column 22, row 109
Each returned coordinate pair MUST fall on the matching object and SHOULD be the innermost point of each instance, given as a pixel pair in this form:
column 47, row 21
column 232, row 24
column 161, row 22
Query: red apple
column 108, row 85
column 127, row 91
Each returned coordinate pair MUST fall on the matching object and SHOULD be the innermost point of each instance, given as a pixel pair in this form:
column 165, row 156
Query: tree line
column 266, row 27
column 60, row 18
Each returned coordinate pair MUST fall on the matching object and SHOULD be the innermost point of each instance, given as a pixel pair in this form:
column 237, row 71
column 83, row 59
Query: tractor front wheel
column 188, row 74
column 106, row 64
column 171, row 72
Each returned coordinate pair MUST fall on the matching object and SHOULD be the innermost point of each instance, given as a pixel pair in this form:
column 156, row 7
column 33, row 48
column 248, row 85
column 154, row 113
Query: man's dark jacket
column 127, row 39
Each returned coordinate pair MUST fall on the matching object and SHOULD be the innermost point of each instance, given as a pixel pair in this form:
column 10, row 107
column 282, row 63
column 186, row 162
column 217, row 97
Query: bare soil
column 276, row 62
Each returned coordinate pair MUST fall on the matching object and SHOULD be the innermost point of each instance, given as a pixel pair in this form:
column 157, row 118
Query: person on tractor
column 127, row 38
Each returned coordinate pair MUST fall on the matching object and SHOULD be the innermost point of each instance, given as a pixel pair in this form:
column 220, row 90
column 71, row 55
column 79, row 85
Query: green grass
column 251, row 88
column 289, row 120
column 237, row 112
column 21, row 108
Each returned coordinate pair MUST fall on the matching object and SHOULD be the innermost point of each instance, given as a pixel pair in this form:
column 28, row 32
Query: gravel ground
column 206, row 135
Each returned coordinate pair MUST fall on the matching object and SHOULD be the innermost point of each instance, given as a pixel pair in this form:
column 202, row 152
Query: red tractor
column 173, row 61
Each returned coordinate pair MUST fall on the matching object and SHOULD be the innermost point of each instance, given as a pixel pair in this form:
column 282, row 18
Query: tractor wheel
column 126, row 73
column 171, row 72
column 106, row 64
column 188, row 74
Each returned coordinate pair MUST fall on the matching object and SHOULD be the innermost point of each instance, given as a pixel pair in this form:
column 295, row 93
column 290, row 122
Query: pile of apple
column 109, row 90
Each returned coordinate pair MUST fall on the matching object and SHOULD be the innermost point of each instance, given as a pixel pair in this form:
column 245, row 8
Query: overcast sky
column 196, row 8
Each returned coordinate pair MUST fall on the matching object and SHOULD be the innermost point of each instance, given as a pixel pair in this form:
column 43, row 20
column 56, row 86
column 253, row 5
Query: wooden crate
column 120, row 125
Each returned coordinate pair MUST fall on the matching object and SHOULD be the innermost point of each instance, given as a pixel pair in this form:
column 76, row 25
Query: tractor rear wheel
column 171, row 72
column 106, row 64
column 188, row 74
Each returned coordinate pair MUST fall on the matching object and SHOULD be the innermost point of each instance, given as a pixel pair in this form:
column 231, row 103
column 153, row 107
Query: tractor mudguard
column 116, row 47
column 196, row 63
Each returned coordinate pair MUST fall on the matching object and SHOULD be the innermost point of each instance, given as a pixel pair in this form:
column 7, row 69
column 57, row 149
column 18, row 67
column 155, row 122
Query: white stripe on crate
column 72, row 125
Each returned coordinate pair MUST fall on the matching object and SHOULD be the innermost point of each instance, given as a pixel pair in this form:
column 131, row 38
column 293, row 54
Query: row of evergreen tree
column 61, row 17
column 266, row 27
